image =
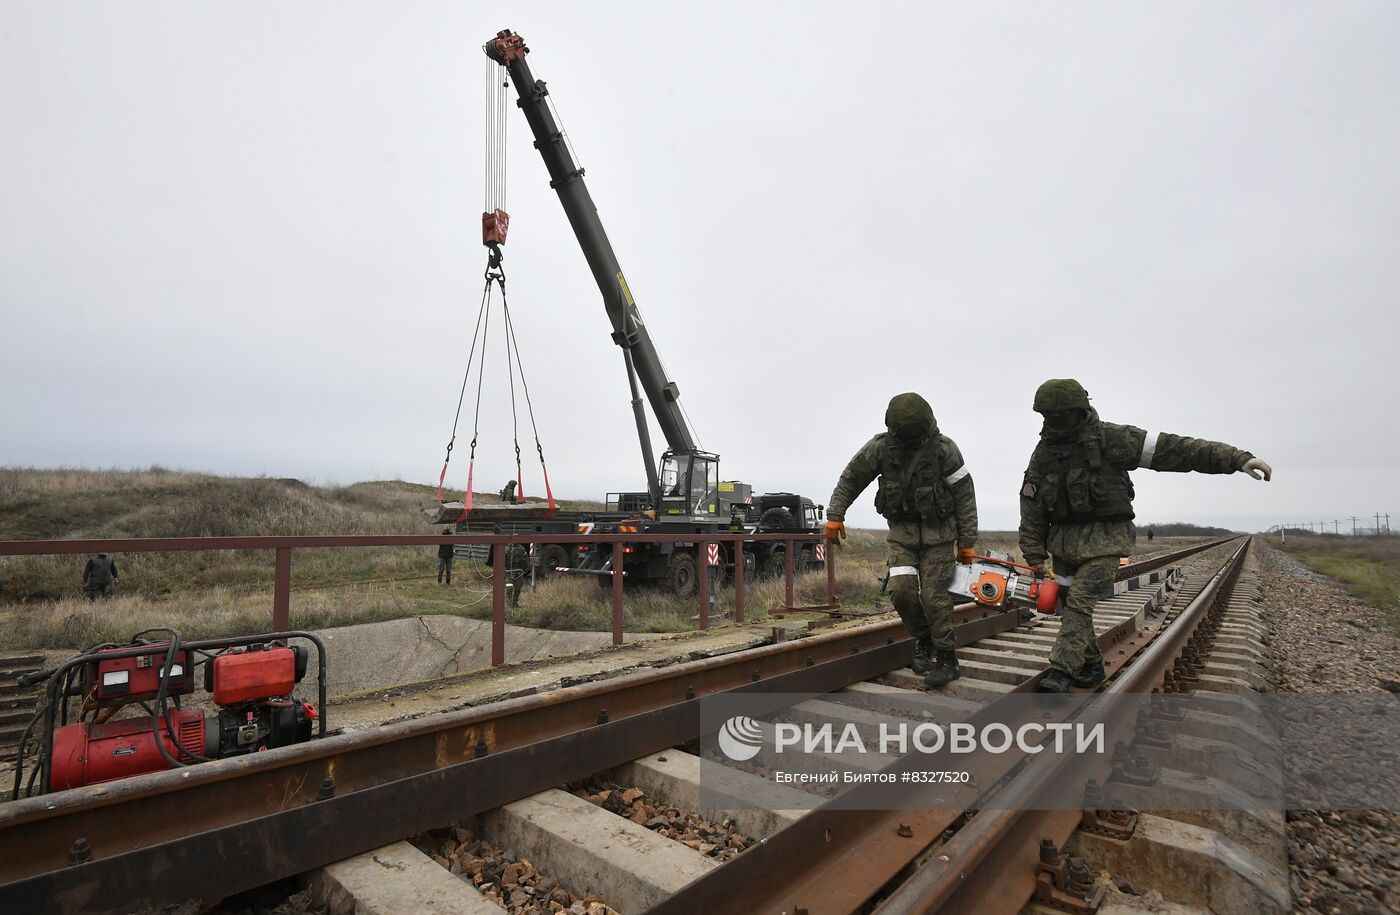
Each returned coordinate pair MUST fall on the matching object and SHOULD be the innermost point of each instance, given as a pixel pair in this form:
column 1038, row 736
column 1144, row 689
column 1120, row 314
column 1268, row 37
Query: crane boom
column 566, row 177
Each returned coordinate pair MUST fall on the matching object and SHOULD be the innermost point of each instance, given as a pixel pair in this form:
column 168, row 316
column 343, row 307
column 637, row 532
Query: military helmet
column 909, row 416
column 1060, row 394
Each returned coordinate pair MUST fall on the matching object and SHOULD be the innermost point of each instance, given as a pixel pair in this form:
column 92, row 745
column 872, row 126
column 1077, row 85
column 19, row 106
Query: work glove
column 966, row 554
column 1258, row 469
column 1037, row 569
column 835, row 531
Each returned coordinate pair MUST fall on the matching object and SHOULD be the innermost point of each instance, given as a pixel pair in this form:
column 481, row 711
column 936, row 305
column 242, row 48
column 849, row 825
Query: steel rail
column 289, row 805
column 397, row 779
column 1152, row 562
column 842, row 854
column 1007, row 839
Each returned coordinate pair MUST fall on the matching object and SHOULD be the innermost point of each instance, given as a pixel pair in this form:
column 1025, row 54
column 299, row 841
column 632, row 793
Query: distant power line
column 1381, row 527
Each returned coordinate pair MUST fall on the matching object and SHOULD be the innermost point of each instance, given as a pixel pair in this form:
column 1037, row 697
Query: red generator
column 129, row 721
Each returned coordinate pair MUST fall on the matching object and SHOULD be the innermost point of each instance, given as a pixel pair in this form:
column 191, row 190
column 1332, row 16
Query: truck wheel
column 683, row 574
column 551, row 556
column 777, row 519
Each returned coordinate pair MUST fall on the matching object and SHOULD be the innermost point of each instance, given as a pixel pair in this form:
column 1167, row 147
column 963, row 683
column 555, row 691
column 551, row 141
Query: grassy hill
column 210, row 593
column 65, row 504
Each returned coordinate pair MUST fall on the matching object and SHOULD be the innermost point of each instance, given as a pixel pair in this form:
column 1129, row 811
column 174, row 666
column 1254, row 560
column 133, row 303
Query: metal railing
column 282, row 548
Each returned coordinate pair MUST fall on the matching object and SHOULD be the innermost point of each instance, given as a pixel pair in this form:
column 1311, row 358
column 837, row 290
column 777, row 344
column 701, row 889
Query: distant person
column 1077, row 506
column 517, row 570
column 1149, row 535
column 507, row 493
column 445, row 558
column 99, row 576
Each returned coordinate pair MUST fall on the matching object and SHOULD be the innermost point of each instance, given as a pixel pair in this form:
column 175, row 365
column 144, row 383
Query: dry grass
column 68, row 503
column 212, row 613
column 211, row 594
column 1369, row 567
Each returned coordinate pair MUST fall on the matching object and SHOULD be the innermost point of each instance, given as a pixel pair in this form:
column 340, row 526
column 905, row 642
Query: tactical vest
column 1077, row 485
column 912, row 485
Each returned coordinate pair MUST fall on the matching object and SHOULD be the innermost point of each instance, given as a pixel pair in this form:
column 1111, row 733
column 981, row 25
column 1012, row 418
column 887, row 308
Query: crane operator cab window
column 689, row 484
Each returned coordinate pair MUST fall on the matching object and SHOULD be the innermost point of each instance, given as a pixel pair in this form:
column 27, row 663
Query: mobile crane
column 684, row 490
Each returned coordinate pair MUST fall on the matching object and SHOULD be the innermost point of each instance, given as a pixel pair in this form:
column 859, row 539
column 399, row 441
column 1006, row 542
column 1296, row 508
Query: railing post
column 787, row 571
column 617, row 593
column 282, row 591
column 738, row 582
column 703, row 572
column 830, row 553
column 498, row 605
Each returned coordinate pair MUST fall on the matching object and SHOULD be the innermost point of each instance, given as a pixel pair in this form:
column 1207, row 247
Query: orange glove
column 966, row 554
column 835, row 531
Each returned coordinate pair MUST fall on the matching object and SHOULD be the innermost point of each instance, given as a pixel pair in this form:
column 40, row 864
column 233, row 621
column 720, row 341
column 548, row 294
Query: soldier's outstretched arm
column 1180, row 453
column 859, row 473
column 964, row 496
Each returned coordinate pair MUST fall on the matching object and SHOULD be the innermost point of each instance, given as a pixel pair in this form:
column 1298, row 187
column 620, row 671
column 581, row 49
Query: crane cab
column 689, row 485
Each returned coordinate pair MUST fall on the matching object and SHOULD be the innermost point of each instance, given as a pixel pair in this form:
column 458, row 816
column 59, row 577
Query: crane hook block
column 494, row 226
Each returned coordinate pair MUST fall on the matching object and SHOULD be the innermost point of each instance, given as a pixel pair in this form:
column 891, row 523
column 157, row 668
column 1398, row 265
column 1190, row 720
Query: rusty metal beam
column 269, row 542
column 1006, row 841
column 294, row 808
column 391, row 781
column 841, row 855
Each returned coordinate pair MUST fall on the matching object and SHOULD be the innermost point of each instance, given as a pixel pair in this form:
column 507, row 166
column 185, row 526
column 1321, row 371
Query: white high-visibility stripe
column 1149, row 448
column 1064, row 580
column 956, row 475
column 903, row 570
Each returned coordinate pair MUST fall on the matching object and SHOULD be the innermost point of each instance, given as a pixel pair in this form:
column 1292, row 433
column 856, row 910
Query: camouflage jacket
column 932, row 501
column 1081, row 477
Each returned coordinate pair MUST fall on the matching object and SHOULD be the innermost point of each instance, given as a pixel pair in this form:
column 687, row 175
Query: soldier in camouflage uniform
column 926, row 495
column 1077, row 506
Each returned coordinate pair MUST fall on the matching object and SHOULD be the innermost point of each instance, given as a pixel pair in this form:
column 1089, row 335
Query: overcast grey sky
column 245, row 237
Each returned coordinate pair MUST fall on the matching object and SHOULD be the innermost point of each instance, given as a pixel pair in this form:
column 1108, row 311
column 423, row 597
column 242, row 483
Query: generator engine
column 995, row 581
column 250, row 681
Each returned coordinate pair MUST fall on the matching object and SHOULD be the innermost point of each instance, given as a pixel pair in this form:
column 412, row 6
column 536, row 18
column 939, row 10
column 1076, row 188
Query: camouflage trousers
column 1089, row 579
column 919, row 580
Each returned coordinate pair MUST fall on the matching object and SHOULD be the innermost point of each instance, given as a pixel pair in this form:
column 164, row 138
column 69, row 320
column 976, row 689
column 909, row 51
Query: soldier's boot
column 1055, row 681
column 923, row 649
column 943, row 670
column 1090, row 675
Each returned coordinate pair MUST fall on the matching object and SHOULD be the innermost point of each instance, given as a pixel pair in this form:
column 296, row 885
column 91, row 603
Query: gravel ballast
column 1325, row 641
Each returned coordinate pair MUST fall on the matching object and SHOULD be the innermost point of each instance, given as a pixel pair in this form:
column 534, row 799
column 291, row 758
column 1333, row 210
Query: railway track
column 339, row 808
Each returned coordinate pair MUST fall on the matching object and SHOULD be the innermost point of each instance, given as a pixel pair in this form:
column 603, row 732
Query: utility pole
column 1336, row 527
column 1387, row 524
column 1353, row 525
column 1378, row 524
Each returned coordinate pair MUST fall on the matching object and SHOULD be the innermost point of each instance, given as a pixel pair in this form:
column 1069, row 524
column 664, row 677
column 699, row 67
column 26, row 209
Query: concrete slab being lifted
column 486, row 509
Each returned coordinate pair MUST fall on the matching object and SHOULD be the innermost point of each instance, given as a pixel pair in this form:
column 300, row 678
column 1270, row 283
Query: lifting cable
column 494, row 223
